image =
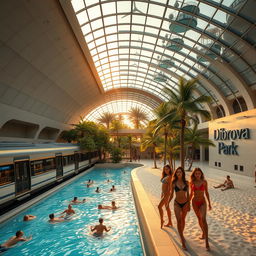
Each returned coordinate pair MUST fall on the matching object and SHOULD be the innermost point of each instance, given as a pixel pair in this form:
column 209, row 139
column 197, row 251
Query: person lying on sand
column 226, row 185
column 14, row 240
column 99, row 229
column 112, row 207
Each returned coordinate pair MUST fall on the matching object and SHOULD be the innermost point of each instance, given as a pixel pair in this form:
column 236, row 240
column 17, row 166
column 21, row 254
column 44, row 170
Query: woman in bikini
column 166, row 186
column 181, row 202
column 199, row 187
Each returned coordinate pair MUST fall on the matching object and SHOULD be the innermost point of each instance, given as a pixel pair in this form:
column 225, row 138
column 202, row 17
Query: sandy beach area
column 231, row 222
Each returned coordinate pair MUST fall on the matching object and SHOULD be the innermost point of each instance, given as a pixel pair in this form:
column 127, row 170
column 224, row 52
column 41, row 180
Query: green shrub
column 116, row 155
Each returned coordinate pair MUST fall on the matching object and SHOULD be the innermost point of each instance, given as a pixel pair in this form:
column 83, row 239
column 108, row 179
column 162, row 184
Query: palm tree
column 106, row 118
column 183, row 105
column 196, row 138
column 116, row 125
column 165, row 126
column 150, row 139
column 137, row 116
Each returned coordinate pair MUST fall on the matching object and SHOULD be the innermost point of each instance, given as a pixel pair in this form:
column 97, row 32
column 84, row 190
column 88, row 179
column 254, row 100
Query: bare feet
column 202, row 237
column 162, row 223
column 184, row 246
column 183, row 242
column 169, row 224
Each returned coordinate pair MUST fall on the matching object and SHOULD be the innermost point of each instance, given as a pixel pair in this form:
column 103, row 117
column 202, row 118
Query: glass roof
column 119, row 107
column 148, row 45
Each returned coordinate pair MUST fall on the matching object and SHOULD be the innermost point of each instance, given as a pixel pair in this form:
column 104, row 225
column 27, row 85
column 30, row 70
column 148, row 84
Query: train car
column 26, row 168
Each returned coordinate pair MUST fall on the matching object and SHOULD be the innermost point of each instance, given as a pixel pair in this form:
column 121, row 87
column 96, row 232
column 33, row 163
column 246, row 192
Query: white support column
column 202, row 153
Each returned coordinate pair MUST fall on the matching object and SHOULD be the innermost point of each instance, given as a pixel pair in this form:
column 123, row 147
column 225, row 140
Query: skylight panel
column 138, row 19
column 82, row 17
column 98, row 33
column 97, row 24
column 153, row 22
column 109, row 20
column 94, row 12
column 86, row 29
column 111, row 38
column 102, row 48
column 123, row 6
column 89, row 38
column 109, row 8
column 91, row 2
column 156, row 10
column 78, row 5
column 100, row 41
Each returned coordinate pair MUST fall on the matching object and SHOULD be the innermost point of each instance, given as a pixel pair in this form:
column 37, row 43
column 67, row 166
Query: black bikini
column 177, row 189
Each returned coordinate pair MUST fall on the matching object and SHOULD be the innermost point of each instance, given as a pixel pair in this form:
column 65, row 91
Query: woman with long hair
column 166, row 185
column 181, row 203
column 199, row 188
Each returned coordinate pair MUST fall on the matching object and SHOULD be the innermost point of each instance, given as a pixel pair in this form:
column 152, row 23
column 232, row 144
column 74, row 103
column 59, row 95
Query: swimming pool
column 73, row 237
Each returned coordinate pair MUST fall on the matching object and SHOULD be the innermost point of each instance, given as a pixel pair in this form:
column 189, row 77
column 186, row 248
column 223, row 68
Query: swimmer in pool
column 76, row 201
column 53, row 219
column 112, row 189
column 69, row 211
column 28, row 217
column 112, row 207
column 99, row 229
column 14, row 240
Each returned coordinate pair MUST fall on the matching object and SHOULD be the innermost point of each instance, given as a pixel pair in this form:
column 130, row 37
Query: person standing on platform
column 199, row 188
column 166, row 188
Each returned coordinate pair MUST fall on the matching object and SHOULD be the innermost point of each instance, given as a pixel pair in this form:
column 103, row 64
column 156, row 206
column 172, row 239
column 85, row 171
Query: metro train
column 26, row 168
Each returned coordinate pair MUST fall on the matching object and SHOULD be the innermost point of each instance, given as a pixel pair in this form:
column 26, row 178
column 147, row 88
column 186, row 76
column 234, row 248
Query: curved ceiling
column 148, row 45
column 120, row 107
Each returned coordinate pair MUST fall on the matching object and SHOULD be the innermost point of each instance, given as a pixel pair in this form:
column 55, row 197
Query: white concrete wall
column 246, row 148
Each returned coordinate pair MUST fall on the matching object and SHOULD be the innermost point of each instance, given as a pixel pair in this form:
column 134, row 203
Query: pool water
column 73, row 237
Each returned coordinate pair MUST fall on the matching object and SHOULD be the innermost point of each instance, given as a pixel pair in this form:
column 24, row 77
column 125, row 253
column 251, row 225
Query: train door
column 76, row 159
column 59, row 166
column 22, row 176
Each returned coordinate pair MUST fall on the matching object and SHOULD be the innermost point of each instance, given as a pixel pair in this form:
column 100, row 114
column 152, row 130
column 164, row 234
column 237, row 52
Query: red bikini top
column 202, row 188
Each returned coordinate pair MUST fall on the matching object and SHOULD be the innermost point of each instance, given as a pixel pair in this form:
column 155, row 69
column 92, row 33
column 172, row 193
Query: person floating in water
column 53, row 219
column 76, row 201
column 89, row 183
column 97, row 190
column 28, row 217
column 112, row 207
column 69, row 211
column 112, row 189
column 99, row 229
column 226, row 185
column 14, row 240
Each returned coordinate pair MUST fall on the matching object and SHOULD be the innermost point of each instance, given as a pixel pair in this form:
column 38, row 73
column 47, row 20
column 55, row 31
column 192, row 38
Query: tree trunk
column 182, row 155
column 171, row 161
column 165, row 145
column 192, row 158
column 154, row 156
column 130, row 152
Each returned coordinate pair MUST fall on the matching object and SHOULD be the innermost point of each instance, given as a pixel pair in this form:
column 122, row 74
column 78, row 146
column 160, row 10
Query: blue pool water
column 73, row 237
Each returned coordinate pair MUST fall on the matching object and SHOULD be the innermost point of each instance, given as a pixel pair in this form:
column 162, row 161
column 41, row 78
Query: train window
column 41, row 166
column 6, row 174
column 68, row 160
